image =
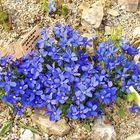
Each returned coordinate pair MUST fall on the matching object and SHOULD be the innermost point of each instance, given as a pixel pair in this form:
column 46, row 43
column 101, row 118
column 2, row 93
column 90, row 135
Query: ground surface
column 25, row 15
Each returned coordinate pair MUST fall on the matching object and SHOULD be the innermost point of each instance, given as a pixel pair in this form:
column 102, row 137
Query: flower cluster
column 51, row 6
column 61, row 76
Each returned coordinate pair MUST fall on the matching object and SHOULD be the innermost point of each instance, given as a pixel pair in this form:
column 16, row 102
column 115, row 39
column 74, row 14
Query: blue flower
column 30, row 82
column 134, row 81
column 83, row 86
column 7, row 85
column 61, row 97
column 63, row 42
column 73, row 112
column 50, row 98
column 92, row 108
column 105, row 50
column 107, row 95
column 83, row 110
column 51, row 6
column 20, row 87
column 78, row 97
column 9, row 97
column 20, row 110
column 135, row 109
column 53, row 52
column 6, row 60
column 35, row 91
column 129, row 50
column 110, row 63
column 122, row 74
column 53, row 113
column 71, row 71
column 69, row 56
column 58, row 30
column 120, row 60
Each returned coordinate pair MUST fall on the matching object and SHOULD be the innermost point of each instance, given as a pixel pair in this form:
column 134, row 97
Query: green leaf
column 131, row 97
column 38, row 1
column 3, row 17
column 2, row 92
column 10, row 106
column 28, row 112
column 64, row 10
column 137, row 95
column 87, row 127
column 116, row 35
column 119, row 101
column 6, row 127
column 121, row 112
column 45, row 5
column 34, row 130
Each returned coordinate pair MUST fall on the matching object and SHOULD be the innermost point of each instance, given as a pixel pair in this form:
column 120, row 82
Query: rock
column 46, row 136
column 137, row 57
column 136, row 37
column 134, row 137
column 102, row 131
column 59, row 128
column 136, row 32
column 113, row 12
column 93, row 16
column 114, row 2
column 27, row 135
column 84, row 6
column 4, row 113
column 107, row 30
column 136, row 43
column 129, row 5
column 37, row 137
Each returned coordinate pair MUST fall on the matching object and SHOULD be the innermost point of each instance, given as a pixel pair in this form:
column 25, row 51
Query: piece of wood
column 29, row 41
column 24, row 46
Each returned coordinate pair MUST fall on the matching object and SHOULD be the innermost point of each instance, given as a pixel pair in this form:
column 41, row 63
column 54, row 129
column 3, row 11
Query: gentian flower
column 6, row 60
column 54, row 113
column 7, row 85
column 129, row 50
column 51, row 6
column 69, row 56
column 71, row 71
column 20, row 87
column 9, row 98
column 73, row 112
column 92, row 108
column 107, row 95
column 78, row 97
column 135, row 109
column 83, row 110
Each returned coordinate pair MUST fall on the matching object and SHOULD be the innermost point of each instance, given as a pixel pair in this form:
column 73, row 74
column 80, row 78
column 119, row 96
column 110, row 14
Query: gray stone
column 83, row 6
column 129, row 5
column 136, row 37
column 94, row 15
column 107, row 30
column 37, row 137
column 136, row 32
column 59, row 128
column 137, row 57
column 134, row 137
column 27, row 135
column 102, row 131
column 113, row 12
